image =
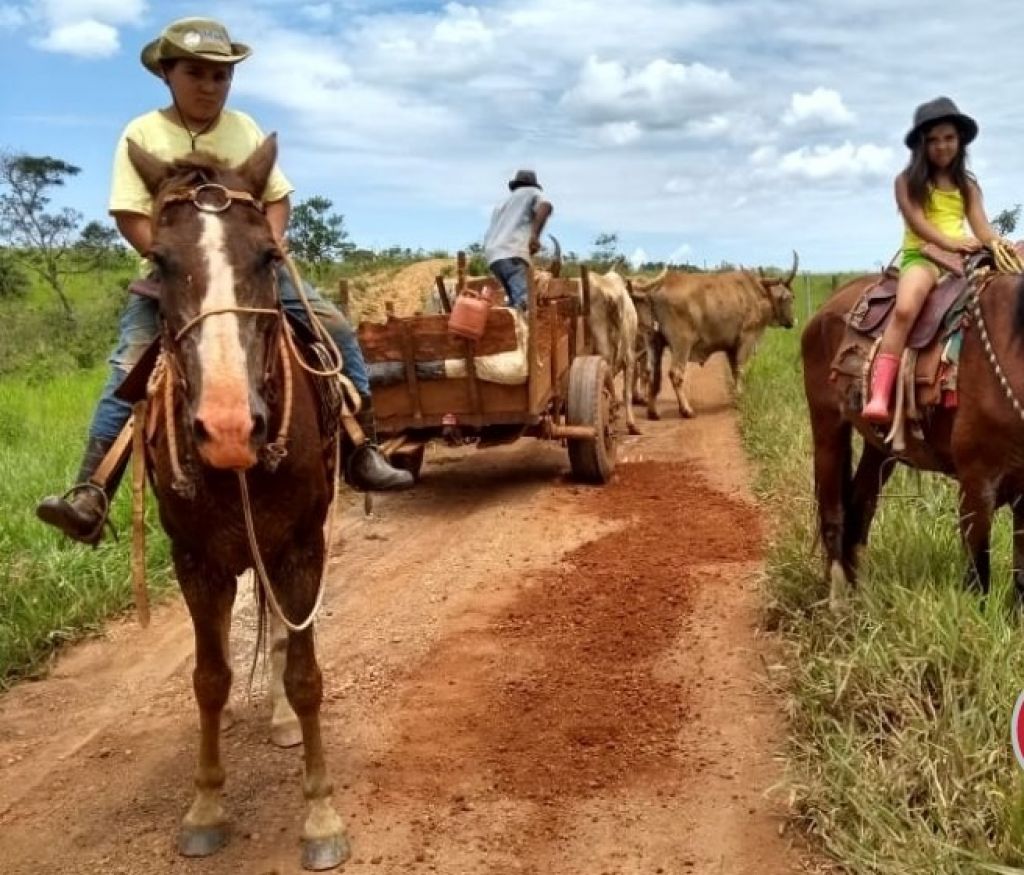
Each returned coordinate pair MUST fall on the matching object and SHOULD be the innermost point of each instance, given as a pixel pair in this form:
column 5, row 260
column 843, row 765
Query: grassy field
column 900, row 750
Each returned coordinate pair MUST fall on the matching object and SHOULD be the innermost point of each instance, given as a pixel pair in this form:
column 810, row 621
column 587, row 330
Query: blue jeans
column 140, row 323
column 512, row 272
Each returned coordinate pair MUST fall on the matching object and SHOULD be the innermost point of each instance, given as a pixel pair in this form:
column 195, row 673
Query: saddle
column 928, row 369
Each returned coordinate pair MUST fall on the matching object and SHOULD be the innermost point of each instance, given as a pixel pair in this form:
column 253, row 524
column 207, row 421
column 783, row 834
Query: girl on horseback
column 935, row 193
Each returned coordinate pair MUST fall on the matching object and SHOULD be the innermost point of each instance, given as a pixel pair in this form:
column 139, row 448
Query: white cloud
column 319, row 12
column 619, row 133
column 680, row 185
column 638, row 258
column 660, row 94
column 84, row 39
column 61, row 13
column 681, row 254
column 817, row 163
column 822, row 107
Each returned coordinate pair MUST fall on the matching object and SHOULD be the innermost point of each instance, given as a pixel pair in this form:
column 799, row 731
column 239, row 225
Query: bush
column 14, row 282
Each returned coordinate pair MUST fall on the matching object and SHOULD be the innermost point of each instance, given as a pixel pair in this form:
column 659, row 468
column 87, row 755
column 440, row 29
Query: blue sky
column 713, row 131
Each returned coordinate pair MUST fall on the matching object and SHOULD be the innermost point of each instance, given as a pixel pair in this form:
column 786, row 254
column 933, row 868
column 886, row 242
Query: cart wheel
column 591, row 399
column 411, row 461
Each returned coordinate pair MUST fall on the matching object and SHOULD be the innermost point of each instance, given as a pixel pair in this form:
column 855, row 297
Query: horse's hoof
column 286, row 734
column 632, row 428
column 202, row 841
column 653, row 414
column 320, row 854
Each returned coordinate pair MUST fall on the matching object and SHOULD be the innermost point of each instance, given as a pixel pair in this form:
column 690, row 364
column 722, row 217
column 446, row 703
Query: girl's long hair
column 918, row 171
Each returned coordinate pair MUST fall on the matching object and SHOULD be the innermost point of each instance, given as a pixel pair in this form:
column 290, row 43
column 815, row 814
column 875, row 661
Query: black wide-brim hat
column 942, row 109
column 523, row 177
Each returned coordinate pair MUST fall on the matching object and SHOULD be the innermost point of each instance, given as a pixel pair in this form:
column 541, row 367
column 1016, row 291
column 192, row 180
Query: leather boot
column 367, row 469
column 82, row 511
column 883, row 378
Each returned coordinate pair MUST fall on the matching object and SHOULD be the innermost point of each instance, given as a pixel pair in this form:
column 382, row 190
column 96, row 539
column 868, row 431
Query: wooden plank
column 442, row 294
column 437, row 398
column 409, row 356
column 382, row 342
column 540, row 352
column 471, row 380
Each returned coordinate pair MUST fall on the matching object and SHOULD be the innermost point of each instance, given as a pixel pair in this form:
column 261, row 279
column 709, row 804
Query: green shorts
column 914, row 258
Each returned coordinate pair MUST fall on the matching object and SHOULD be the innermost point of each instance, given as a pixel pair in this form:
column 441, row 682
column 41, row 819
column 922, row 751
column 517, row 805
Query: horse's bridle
column 227, row 197
column 276, row 450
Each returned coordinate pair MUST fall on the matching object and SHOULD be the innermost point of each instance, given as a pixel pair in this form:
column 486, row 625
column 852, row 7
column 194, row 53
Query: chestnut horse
column 979, row 442
column 234, row 382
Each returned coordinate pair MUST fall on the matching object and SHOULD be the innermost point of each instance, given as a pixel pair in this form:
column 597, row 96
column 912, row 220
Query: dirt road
column 522, row 675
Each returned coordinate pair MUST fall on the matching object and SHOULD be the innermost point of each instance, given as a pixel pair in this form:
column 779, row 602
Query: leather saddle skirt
column 872, row 312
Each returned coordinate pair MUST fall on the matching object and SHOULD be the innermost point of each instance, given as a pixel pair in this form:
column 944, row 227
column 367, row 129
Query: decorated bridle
column 210, row 197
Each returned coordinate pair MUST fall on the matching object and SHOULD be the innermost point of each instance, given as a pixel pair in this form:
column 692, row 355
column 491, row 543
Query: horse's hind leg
column 324, row 844
column 285, row 730
column 873, row 470
column 977, row 504
column 832, row 436
column 209, row 598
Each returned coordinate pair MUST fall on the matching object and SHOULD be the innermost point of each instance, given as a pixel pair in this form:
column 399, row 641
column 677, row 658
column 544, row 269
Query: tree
column 606, row 248
column 1005, row 222
column 316, row 235
column 46, row 242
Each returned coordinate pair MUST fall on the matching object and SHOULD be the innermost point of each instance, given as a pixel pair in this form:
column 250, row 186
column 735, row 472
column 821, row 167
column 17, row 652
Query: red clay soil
column 567, row 702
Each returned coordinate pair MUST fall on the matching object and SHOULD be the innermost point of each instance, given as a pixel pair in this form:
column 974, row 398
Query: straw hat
column 201, row 39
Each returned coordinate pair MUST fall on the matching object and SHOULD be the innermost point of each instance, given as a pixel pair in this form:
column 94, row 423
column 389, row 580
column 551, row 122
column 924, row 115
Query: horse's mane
column 195, row 169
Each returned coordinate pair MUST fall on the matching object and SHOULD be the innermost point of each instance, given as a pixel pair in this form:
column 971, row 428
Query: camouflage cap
column 201, row 39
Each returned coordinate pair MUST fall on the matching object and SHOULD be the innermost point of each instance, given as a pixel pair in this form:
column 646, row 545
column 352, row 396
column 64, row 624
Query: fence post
column 344, row 299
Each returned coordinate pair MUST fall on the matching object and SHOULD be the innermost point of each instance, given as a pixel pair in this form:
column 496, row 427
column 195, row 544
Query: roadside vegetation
column 900, row 753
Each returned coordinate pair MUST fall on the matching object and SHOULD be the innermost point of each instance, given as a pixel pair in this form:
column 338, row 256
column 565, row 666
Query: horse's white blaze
column 224, row 397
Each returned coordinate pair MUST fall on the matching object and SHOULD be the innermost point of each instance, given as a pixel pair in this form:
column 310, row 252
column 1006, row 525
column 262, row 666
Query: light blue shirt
column 511, row 225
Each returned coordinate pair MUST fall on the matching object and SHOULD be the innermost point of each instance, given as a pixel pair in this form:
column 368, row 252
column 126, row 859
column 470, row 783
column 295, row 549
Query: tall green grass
column 900, row 754
column 52, row 590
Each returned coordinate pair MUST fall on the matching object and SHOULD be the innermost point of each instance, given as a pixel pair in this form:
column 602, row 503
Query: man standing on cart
column 514, row 235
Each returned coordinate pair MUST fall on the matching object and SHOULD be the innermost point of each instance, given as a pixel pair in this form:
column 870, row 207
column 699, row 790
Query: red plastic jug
column 469, row 315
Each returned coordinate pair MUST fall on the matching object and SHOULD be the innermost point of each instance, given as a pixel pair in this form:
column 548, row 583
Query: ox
column 697, row 314
column 613, row 327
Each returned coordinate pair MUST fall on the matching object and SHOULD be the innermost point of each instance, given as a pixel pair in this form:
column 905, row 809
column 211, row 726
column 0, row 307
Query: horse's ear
column 256, row 169
column 152, row 170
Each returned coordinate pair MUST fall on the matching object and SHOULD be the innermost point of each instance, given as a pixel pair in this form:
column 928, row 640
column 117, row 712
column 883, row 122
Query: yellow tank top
column 944, row 210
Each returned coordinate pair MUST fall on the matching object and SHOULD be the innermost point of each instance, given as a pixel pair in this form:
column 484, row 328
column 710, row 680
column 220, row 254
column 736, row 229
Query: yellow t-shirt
column 944, row 210
column 232, row 139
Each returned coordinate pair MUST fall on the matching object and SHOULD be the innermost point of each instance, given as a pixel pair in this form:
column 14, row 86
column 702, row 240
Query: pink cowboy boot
column 883, row 377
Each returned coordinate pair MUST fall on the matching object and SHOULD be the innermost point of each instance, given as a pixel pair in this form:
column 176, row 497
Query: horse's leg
column 832, row 451
column 285, row 730
column 324, row 844
column 977, row 504
column 873, row 470
column 209, row 597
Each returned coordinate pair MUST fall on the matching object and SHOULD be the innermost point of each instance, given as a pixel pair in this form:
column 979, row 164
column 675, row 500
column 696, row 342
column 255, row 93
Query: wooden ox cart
column 567, row 394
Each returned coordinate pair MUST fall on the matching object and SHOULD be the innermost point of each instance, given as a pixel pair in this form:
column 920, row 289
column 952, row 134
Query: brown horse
column 232, row 379
column 979, row 442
